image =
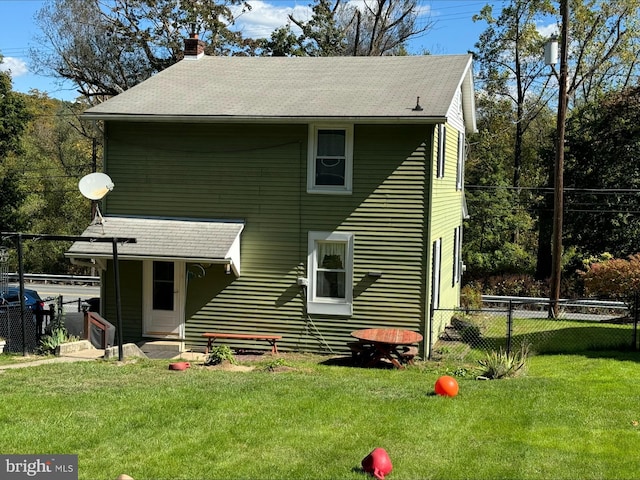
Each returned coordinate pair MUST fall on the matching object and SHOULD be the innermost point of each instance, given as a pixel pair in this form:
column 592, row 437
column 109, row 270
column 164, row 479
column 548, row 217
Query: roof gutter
column 98, row 259
column 261, row 119
column 178, row 258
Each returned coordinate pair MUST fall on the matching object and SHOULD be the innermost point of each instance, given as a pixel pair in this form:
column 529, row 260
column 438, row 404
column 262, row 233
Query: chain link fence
column 24, row 335
column 19, row 335
column 581, row 326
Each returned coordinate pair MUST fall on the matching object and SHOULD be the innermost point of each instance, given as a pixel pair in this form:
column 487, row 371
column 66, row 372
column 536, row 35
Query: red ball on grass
column 446, row 386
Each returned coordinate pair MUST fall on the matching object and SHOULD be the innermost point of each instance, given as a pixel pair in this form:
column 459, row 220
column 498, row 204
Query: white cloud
column 547, row 30
column 265, row 17
column 16, row 66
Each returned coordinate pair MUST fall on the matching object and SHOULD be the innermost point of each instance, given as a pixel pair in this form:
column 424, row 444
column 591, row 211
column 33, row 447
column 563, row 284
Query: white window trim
column 436, row 274
column 330, row 306
column 442, row 146
column 461, row 158
column 311, row 161
column 457, row 255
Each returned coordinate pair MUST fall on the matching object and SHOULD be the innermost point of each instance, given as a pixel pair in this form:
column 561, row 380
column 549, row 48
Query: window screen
column 331, row 157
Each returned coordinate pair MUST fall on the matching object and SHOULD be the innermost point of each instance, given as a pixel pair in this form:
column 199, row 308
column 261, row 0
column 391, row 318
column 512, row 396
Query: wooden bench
column 361, row 351
column 407, row 354
column 270, row 339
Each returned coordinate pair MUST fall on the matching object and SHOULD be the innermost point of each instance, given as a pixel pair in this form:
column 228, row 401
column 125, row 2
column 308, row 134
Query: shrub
column 56, row 337
column 276, row 364
column 501, row 364
column 219, row 354
column 613, row 277
column 506, row 257
column 515, row 285
column 471, row 297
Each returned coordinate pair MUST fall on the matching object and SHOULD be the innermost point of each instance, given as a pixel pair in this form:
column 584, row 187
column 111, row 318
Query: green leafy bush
column 275, row 364
column 504, row 257
column 219, row 354
column 471, row 297
column 56, row 337
column 515, row 285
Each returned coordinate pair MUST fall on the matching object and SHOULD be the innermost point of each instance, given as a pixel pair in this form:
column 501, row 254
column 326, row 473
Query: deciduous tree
column 322, row 35
column 366, row 28
column 57, row 153
column 603, row 56
column 107, row 46
column 602, row 175
column 510, row 64
column 496, row 209
column 13, row 120
column 382, row 27
column 605, row 47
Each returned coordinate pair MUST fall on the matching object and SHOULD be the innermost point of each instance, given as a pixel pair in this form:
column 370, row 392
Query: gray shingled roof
column 191, row 240
column 297, row 88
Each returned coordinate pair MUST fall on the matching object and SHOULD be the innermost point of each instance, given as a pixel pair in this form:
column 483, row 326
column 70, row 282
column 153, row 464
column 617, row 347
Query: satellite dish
column 95, row 185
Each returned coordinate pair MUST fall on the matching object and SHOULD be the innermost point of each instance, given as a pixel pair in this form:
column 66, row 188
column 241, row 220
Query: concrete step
column 159, row 349
column 128, row 350
column 161, row 345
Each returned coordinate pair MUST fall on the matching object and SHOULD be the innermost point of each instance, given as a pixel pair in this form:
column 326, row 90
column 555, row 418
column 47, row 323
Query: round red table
column 385, row 343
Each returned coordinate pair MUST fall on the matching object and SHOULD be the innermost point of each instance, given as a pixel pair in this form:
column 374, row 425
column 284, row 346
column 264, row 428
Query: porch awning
column 196, row 241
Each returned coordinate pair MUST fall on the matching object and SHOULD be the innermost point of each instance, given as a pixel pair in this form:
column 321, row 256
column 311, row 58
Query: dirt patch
column 229, row 367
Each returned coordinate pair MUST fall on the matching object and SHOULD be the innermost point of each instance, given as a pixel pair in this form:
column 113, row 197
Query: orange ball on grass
column 446, row 386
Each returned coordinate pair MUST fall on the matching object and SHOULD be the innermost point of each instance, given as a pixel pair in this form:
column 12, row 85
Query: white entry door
column 163, row 299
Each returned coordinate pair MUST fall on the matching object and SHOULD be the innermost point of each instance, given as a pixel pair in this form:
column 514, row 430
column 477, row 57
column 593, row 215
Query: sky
column 453, row 32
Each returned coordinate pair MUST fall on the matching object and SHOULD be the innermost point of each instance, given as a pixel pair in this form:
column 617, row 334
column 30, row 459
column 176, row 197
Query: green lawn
column 543, row 335
column 13, row 358
column 571, row 417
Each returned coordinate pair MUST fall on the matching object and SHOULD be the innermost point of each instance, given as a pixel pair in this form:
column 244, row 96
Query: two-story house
column 304, row 197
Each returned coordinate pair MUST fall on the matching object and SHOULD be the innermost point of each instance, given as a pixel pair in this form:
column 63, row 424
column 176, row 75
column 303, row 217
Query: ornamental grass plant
column 503, row 364
column 572, row 416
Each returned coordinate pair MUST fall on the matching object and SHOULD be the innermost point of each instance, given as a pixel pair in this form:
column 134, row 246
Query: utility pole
column 558, row 198
column 94, row 169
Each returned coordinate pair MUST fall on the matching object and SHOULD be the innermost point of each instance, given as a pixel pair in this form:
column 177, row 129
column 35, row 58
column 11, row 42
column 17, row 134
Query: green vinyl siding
column 446, row 215
column 389, row 223
column 214, row 171
column 257, row 173
column 200, row 170
column 386, row 213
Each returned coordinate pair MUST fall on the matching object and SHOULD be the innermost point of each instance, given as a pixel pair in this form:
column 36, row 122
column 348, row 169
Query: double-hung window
column 330, row 159
column 330, row 270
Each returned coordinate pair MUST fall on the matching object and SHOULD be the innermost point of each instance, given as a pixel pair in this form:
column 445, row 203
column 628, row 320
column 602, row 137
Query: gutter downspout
column 428, row 327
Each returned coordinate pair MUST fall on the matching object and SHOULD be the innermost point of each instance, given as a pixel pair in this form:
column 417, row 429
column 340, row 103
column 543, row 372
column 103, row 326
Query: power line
column 595, row 191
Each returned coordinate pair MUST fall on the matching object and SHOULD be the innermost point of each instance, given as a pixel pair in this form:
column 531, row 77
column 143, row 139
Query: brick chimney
column 193, row 47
